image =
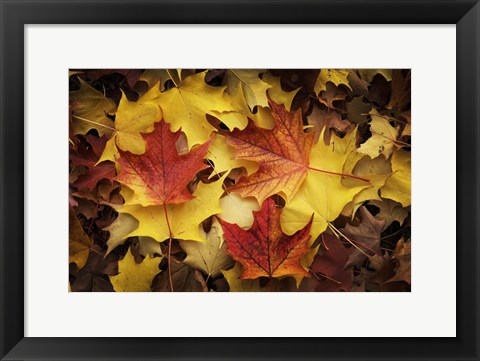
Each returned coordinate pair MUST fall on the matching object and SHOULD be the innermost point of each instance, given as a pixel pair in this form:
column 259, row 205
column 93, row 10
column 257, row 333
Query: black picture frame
column 16, row 13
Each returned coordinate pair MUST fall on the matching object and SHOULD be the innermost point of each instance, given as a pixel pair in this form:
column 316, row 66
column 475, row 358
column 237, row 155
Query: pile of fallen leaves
column 239, row 180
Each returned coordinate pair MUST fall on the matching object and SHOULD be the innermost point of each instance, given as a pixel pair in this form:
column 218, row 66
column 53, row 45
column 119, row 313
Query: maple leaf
column 366, row 236
column 236, row 284
column 186, row 105
column 322, row 192
column 239, row 118
column 390, row 211
column 357, row 110
column 264, row 250
column 160, row 176
column 132, row 119
column 327, row 119
column 400, row 98
column 402, row 255
column 94, row 275
column 79, row 243
column 383, row 138
column 369, row 74
column 283, row 154
column 359, row 86
column 222, row 156
column 85, row 150
column 184, row 218
column 377, row 171
column 90, row 110
column 86, row 154
column 277, row 94
column 254, row 88
column 238, row 210
column 119, row 229
column 331, row 94
column 89, row 180
column 336, row 76
column 135, row 277
column 131, row 75
column 156, row 76
column 183, row 277
column 210, row 256
column 398, row 185
column 148, row 247
column 332, row 266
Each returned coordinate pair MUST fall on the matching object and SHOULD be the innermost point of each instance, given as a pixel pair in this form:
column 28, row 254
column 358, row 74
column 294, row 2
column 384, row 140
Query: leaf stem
column 171, row 78
column 169, row 248
column 201, row 280
column 93, row 122
column 340, row 174
column 337, row 232
column 325, row 276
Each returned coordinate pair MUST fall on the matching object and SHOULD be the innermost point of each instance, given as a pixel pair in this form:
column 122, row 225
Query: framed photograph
column 243, row 180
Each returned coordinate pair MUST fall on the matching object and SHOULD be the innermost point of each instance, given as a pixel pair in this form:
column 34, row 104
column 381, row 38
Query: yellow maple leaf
column 132, row 119
column 222, row 156
column 135, row 277
column 238, row 210
column 383, row 138
column 254, row 88
column 184, row 218
column 79, row 243
column 148, row 247
column 90, row 110
column 110, row 152
column 186, row 105
column 336, row 76
column 322, row 194
column 119, row 229
column 239, row 118
column 211, row 256
column 398, row 185
column 277, row 94
column 376, row 170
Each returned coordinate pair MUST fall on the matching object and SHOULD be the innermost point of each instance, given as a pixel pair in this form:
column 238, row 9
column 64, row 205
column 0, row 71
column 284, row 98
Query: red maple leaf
column 264, row 250
column 283, row 154
column 160, row 176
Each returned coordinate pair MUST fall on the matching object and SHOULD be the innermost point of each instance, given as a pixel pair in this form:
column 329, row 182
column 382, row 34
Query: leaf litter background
column 239, row 180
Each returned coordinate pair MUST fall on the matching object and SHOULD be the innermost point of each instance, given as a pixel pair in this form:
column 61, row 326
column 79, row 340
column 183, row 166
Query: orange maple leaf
column 160, row 175
column 264, row 250
column 283, row 154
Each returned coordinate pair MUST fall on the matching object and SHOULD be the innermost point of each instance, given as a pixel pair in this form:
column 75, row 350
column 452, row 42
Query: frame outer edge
column 11, row 179
column 3, row 345
column 468, row 177
column 11, row 297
